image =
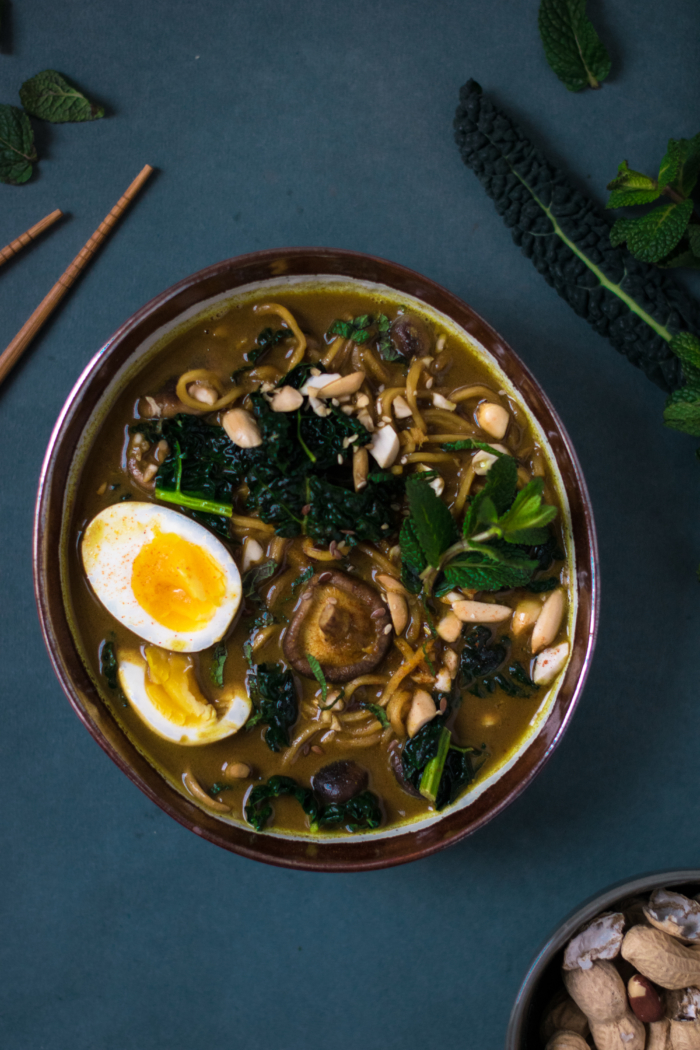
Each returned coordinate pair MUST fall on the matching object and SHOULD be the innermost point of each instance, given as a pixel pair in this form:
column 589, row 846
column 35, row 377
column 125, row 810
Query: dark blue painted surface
column 277, row 123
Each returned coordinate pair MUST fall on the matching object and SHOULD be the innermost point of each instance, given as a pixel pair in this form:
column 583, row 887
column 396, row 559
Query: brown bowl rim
column 337, row 854
column 605, row 900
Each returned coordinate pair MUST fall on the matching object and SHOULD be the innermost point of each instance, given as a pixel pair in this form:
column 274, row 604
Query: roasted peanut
column 566, row 1040
column 493, row 419
column 548, row 622
column 644, row 999
column 241, row 428
column 481, row 612
column 661, row 958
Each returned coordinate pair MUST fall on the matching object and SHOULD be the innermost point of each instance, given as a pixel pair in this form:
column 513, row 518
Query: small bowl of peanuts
column 621, row 973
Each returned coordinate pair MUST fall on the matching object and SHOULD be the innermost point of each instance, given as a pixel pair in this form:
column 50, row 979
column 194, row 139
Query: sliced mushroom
column 143, row 460
column 343, row 623
column 166, row 404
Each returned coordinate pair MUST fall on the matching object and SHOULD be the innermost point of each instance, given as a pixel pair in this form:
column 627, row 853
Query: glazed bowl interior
column 122, row 357
column 543, row 978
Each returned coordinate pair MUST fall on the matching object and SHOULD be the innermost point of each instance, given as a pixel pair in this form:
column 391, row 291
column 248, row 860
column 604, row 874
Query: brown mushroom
column 143, row 460
column 339, row 782
column 166, row 404
column 343, row 623
column 410, row 336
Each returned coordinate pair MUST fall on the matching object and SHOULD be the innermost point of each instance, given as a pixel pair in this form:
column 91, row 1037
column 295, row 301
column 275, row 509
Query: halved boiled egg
column 162, row 575
column 163, row 690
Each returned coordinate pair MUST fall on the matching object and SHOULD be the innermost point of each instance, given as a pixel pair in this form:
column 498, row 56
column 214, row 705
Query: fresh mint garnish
column 50, row 96
column 17, row 149
column 572, row 46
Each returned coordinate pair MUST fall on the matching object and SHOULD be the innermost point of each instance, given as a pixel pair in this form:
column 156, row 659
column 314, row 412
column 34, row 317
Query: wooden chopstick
column 25, row 238
column 15, row 349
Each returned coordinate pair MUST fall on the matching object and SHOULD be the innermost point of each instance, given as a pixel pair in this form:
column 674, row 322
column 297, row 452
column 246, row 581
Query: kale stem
column 178, row 480
column 206, row 506
column 303, row 444
column 432, row 774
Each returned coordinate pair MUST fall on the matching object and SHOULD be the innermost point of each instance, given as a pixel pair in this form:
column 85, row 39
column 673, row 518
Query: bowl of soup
column 315, row 561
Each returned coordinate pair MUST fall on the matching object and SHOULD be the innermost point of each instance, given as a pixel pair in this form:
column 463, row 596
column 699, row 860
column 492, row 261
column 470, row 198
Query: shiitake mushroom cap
column 410, row 336
column 340, row 781
column 335, row 623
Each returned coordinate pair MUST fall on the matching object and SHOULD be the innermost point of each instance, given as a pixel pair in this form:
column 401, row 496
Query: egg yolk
column 172, row 688
column 177, row 583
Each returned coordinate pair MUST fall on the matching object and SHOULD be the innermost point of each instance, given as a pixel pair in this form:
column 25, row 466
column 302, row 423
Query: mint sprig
column 571, row 45
column 318, row 674
column 668, row 235
column 499, row 525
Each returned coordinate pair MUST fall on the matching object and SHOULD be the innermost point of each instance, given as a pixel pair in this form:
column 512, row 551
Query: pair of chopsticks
column 15, row 349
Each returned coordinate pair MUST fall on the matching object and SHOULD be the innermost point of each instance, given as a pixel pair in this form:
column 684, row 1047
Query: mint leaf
column 257, row 575
column 464, row 444
column 681, row 165
column 17, row 150
column 481, row 573
column 686, row 347
column 572, row 46
column 432, row 522
column 500, row 488
column 318, row 674
column 652, row 236
column 413, row 560
column 50, row 96
column 682, row 411
column 694, row 238
column 379, row 713
column 217, row 666
column 526, row 520
column 631, row 187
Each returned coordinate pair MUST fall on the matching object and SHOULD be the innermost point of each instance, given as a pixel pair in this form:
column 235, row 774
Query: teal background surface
column 315, row 122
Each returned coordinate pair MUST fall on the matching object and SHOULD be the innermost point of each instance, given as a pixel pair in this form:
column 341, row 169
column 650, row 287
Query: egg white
column 132, row 678
column 109, row 547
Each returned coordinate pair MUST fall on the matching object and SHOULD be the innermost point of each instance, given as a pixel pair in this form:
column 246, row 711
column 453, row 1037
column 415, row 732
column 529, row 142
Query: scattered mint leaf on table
column 17, row 149
column 51, row 97
column 572, row 46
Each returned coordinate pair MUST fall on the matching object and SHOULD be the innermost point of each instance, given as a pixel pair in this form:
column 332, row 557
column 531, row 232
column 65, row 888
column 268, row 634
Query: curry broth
column 496, row 723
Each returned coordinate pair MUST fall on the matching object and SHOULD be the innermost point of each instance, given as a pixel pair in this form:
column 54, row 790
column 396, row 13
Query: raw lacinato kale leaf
column 276, row 704
column 17, row 149
column 572, row 46
column 432, row 523
column 633, row 304
column 50, row 96
column 217, row 663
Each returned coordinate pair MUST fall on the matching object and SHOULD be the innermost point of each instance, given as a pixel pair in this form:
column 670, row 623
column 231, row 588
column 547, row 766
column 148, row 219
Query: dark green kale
column 435, row 766
column 481, row 666
column 275, row 703
column 379, row 713
column 548, row 583
column 633, row 304
column 362, row 811
column 108, row 664
column 217, row 663
column 258, row 811
column 268, row 338
column 218, row 787
column 358, row 813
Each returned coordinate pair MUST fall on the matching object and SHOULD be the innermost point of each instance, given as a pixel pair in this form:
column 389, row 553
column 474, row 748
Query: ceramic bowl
column 79, row 419
column 543, row 977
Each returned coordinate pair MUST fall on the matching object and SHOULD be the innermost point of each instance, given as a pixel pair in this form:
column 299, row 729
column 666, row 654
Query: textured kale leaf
column 362, row 811
column 50, row 96
column 358, row 813
column 258, row 811
column 17, row 149
column 572, row 46
column 481, row 655
column 108, row 664
column 633, row 304
column 276, row 704
column 457, row 771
